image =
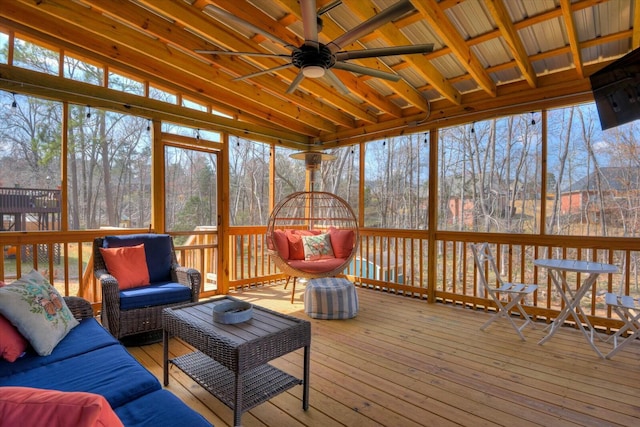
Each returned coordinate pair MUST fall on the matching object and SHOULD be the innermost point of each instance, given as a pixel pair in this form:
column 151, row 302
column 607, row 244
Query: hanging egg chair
column 312, row 234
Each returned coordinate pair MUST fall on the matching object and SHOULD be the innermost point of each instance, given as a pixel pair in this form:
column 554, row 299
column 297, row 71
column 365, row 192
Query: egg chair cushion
column 296, row 249
column 281, row 243
column 296, row 245
column 342, row 242
column 317, row 247
column 316, row 266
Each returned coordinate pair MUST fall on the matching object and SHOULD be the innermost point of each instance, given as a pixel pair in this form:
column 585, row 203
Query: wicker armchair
column 79, row 307
column 138, row 310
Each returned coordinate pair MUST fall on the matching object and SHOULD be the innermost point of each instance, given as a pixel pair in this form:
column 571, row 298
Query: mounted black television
column 616, row 90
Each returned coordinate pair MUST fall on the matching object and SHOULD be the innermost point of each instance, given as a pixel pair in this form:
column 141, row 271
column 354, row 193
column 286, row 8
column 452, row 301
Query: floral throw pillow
column 38, row 311
column 317, row 247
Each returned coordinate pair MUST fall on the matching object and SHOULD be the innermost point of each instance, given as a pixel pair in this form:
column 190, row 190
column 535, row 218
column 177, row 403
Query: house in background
column 605, row 193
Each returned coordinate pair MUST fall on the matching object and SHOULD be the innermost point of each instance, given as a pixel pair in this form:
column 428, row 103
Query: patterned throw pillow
column 317, row 247
column 38, row 311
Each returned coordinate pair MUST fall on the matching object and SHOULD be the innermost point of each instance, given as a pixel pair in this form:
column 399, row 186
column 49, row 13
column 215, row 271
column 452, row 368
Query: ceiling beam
column 441, row 24
column 574, row 43
column 332, row 31
column 23, row 81
column 509, row 34
column 391, row 33
column 106, row 62
column 129, row 13
column 552, row 91
column 363, row 92
column 127, row 45
column 196, row 22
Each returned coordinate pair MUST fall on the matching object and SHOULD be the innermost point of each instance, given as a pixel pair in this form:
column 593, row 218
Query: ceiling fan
column 315, row 59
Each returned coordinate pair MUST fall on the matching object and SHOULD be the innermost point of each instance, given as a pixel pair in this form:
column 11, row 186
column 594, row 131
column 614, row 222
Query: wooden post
column 157, row 179
column 224, row 248
column 433, row 216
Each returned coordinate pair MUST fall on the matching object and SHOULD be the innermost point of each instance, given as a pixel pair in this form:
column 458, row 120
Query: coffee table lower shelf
column 260, row 384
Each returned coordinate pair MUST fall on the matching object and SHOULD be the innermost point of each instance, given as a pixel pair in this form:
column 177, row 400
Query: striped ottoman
column 330, row 298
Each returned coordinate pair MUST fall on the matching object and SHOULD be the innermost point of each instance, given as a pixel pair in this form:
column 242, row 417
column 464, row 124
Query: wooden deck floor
column 403, row 362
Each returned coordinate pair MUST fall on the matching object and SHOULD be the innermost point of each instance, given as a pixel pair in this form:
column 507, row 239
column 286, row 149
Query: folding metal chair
column 628, row 309
column 513, row 293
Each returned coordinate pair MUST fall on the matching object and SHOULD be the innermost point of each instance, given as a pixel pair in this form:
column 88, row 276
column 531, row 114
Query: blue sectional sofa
column 89, row 359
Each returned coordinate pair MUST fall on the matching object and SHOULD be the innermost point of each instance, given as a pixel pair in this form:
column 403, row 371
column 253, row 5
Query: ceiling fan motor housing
column 306, row 56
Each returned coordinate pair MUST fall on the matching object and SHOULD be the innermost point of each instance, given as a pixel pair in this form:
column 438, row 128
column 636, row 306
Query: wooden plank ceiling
column 490, row 56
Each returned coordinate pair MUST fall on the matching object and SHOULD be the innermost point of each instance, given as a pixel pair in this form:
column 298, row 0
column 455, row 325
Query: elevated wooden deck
column 403, row 362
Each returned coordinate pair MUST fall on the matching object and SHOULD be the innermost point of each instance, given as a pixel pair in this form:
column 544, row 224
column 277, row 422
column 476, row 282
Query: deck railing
column 29, row 200
column 65, row 258
column 394, row 261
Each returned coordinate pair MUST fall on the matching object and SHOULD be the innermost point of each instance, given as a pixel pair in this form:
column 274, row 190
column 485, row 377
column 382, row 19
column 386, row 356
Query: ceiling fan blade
column 389, row 14
column 226, row 52
column 259, row 73
column 367, row 71
column 337, row 82
column 309, row 21
column 384, row 51
column 327, row 8
column 294, row 84
column 221, row 12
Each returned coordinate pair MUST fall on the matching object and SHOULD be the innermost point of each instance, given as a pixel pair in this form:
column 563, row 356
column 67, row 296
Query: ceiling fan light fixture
column 313, row 71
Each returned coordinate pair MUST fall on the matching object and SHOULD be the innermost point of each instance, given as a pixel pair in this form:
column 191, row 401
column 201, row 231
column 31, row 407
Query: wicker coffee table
column 230, row 361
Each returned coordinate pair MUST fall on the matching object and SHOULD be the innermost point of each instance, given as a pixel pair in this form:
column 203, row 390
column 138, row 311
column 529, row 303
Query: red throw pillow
column 12, row 343
column 281, row 243
column 296, row 248
column 127, row 264
column 342, row 242
column 34, row 407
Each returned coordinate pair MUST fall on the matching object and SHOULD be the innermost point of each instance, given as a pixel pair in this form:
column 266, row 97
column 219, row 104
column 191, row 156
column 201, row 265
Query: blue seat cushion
column 88, row 335
column 110, row 371
column 157, row 248
column 155, row 294
column 159, row 409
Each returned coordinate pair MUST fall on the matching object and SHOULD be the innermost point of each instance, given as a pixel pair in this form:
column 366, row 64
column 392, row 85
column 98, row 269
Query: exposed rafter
column 510, row 36
column 487, row 56
column 574, row 43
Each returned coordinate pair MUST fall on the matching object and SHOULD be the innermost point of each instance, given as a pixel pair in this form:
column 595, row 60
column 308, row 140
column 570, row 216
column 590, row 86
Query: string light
column 88, row 111
column 14, row 104
column 533, row 120
column 473, row 130
column 197, row 134
column 148, row 125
